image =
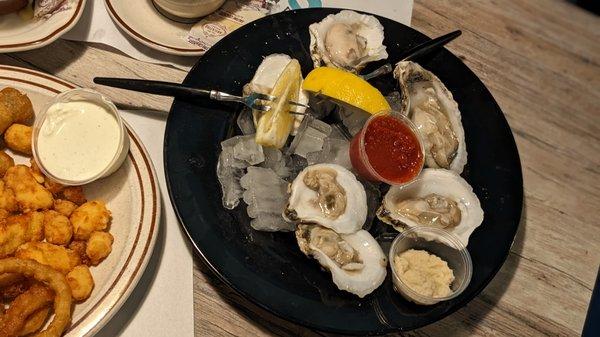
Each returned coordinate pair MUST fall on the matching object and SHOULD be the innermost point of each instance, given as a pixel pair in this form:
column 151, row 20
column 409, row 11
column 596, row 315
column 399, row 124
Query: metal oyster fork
column 253, row 100
column 415, row 52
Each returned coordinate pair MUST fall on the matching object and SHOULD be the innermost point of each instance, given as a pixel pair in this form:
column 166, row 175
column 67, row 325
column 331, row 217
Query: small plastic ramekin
column 360, row 159
column 89, row 96
column 446, row 246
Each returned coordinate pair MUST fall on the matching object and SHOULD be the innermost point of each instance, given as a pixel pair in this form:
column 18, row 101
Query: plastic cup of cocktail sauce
column 388, row 149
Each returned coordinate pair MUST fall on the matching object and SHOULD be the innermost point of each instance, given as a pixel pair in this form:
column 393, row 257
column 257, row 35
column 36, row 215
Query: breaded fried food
column 4, row 214
column 64, row 207
column 8, row 201
column 52, row 279
column 18, row 138
column 11, row 291
column 19, row 229
column 80, row 247
column 30, row 195
column 18, row 103
column 55, row 188
column 15, row 107
column 35, row 170
column 57, row 228
column 35, row 298
column 57, row 257
column 88, row 218
column 35, row 321
column 73, row 194
column 6, row 161
column 81, row 282
column 99, row 246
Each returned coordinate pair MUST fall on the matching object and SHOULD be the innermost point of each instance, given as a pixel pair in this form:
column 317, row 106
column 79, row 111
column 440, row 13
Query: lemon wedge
column 345, row 87
column 275, row 125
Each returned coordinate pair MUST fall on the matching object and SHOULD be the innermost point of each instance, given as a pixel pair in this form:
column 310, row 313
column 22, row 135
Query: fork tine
column 259, row 107
column 298, row 104
column 264, row 97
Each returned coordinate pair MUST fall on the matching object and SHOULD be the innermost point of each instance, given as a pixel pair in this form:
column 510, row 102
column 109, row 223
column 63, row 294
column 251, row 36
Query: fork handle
column 153, row 87
column 430, row 45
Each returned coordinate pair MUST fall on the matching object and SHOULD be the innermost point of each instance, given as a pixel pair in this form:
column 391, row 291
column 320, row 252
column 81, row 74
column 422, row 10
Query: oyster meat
column 328, row 195
column 433, row 110
column 356, row 261
column 438, row 198
column 347, row 40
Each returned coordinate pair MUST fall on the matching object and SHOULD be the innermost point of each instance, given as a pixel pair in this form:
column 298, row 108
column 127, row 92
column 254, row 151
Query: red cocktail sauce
column 391, row 148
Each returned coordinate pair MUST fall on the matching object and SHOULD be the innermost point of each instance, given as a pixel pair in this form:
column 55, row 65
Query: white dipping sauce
column 78, row 140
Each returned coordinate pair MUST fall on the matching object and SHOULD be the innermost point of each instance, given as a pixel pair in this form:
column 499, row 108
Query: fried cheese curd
column 90, row 217
column 99, row 246
column 18, row 138
column 57, row 257
column 30, row 194
column 81, row 282
column 57, row 228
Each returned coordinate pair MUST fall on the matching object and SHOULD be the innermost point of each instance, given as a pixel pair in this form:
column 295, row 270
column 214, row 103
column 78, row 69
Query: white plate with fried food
column 64, row 248
column 28, row 24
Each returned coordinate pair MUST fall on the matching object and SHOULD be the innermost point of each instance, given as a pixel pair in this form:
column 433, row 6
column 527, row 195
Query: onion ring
column 53, row 279
column 26, row 304
column 8, row 279
column 35, row 321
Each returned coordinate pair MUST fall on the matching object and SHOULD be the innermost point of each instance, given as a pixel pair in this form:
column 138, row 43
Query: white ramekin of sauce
column 79, row 138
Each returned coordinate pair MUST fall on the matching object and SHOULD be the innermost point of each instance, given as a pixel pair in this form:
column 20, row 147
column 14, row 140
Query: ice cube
column 335, row 151
column 246, row 149
column 295, row 164
column 354, row 119
column 310, row 137
column 245, row 122
column 229, row 178
column 268, row 222
column 266, row 196
column 275, row 160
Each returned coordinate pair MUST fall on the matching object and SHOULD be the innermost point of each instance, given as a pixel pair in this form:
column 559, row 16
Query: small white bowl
column 446, row 246
column 98, row 99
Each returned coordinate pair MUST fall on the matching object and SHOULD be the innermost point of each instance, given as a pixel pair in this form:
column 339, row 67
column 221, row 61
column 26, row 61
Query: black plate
column 268, row 268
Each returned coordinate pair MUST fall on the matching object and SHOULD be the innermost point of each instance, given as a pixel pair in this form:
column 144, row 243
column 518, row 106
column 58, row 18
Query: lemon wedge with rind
column 275, row 125
column 345, row 87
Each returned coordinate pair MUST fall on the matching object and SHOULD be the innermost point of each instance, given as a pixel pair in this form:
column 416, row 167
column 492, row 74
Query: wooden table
column 540, row 59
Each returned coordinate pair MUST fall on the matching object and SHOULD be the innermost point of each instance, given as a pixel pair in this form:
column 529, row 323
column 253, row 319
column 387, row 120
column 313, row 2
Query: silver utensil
column 253, row 100
column 415, row 52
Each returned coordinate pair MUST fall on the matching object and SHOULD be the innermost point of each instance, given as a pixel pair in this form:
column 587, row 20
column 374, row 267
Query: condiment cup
column 187, row 11
column 91, row 96
column 446, row 246
column 364, row 167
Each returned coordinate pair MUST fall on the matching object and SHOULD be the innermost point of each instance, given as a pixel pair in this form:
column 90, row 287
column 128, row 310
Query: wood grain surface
column 541, row 61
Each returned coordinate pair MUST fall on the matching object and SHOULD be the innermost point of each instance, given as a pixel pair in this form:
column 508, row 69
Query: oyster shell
column 328, row 195
column 438, row 198
column 431, row 107
column 356, row 261
column 347, row 40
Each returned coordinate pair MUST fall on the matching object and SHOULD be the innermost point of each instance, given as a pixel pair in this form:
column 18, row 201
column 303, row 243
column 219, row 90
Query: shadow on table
column 129, row 309
column 463, row 322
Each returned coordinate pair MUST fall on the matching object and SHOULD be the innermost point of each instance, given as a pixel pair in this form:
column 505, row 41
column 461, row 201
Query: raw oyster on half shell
column 356, row 261
column 328, row 195
column 347, row 40
column 433, row 110
column 437, row 198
